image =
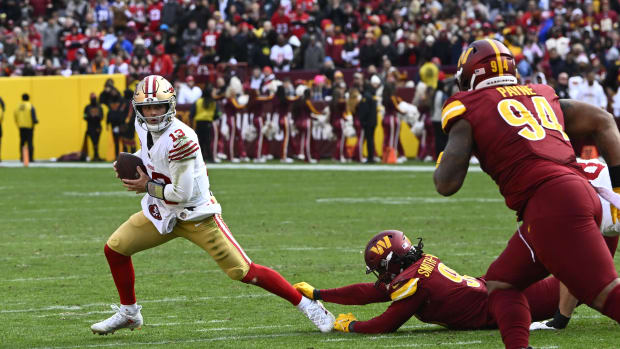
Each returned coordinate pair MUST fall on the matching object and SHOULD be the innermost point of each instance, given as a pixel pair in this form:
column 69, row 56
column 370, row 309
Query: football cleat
column 541, row 325
column 320, row 317
column 117, row 321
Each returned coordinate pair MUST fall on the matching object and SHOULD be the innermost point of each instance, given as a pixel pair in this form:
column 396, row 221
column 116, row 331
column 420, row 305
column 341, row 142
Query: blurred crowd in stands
column 573, row 45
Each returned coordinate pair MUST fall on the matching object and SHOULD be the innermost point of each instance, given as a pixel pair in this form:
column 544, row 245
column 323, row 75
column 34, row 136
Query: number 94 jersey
column 518, row 134
column 178, row 142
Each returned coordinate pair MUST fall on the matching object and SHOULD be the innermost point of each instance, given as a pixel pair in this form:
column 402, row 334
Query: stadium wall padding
column 59, row 102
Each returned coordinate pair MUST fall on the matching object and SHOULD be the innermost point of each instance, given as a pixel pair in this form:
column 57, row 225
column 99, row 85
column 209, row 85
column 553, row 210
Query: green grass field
column 309, row 225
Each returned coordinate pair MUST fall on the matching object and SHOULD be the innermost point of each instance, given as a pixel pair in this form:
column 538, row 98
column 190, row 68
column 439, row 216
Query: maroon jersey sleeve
column 518, row 136
column 356, row 294
column 395, row 316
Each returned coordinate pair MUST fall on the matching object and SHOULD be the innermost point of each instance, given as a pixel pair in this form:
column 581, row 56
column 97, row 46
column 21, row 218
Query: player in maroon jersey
column 419, row 284
column 521, row 136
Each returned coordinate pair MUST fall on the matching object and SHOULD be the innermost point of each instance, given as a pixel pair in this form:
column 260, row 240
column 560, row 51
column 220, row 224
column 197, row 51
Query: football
column 126, row 166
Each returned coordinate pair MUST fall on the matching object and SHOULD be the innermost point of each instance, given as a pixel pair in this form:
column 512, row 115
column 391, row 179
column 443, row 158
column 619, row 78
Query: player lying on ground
column 179, row 203
column 419, row 284
column 598, row 175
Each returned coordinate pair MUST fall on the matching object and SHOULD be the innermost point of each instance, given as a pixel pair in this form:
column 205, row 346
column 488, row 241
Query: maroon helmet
column 485, row 63
column 389, row 253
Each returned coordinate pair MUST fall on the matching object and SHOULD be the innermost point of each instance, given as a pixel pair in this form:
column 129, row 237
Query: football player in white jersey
column 178, row 203
column 598, row 175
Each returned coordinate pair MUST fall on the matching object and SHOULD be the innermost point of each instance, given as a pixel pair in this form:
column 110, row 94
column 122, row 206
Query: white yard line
column 272, row 167
column 197, row 340
column 162, row 300
column 406, row 200
column 446, row 344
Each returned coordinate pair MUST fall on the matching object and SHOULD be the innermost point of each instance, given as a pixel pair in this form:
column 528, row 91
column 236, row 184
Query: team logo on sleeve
column 154, row 211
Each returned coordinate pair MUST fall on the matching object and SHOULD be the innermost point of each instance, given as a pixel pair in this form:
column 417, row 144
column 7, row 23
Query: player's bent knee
column 114, row 243
column 237, row 273
column 599, row 301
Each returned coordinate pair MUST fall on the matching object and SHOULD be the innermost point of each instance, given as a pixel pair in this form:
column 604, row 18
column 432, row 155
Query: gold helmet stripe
column 498, row 57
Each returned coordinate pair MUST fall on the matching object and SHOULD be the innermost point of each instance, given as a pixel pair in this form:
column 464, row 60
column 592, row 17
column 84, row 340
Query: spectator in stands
column 385, row 48
column 49, row 35
column 350, row 53
column 25, row 119
column 93, row 114
column 188, row 92
column 281, row 55
column 314, row 54
column 562, row 87
column 162, row 62
column 368, row 50
column 256, row 79
column 191, row 36
column 592, row 92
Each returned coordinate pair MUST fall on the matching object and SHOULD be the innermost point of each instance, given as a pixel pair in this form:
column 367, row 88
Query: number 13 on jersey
column 516, row 114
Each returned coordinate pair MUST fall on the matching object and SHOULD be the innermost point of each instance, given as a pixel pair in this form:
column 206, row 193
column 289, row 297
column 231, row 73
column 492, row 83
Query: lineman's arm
column 582, row 119
column 394, row 316
column 450, row 173
column 356, row 294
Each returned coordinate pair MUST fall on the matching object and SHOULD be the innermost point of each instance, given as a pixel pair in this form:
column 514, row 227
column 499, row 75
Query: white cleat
column 540, row 325
column 117, row 321
column 320, row 317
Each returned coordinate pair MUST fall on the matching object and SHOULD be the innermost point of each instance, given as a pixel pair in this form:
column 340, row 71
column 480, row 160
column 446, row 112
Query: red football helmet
column 389, row 253
column 485, row 63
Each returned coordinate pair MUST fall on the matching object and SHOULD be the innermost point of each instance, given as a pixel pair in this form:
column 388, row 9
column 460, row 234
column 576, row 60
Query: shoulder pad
column 183, row 148
column 450, row 111
column 403, row 289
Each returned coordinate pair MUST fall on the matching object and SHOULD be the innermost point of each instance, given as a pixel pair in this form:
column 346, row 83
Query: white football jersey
column 178, row 142
column 598, row 175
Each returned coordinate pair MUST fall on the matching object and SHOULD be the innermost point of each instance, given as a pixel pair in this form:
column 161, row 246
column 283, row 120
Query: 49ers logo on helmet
column 154, row 211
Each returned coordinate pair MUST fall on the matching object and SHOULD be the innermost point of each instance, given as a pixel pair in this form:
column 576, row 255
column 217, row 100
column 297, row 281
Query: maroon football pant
column 560, row 235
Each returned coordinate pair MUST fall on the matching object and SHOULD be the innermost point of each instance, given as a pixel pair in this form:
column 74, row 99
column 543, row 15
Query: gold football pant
column 212, row 235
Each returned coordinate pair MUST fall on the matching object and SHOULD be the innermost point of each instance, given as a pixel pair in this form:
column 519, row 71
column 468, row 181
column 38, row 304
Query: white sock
column 130, row 309
column 304, row 303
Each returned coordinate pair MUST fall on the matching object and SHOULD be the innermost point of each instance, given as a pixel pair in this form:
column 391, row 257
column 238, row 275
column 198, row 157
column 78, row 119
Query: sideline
column 273, row 166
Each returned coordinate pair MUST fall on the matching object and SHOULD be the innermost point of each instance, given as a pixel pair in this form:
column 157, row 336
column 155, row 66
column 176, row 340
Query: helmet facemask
column 163, row 121
column 154, row 90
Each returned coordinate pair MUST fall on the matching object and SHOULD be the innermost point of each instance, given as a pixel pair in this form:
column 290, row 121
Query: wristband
column 155, row 189
column 316, row 294
column 351, row 329
column 614, row 174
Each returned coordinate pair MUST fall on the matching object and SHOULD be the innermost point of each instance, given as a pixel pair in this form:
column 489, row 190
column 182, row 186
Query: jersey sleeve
column 356, row 294
column 453, row 110
column 404, row 289
column 394, row 316
column 183, row 148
